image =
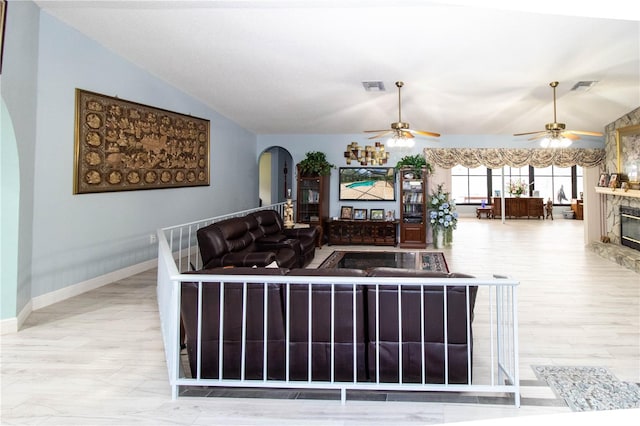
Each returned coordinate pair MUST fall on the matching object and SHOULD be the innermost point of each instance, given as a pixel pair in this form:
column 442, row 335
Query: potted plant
column 315, row 164
column 416, row 162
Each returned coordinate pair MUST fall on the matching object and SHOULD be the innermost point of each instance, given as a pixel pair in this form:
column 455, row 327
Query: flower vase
column 438, row 238
column 448, row 237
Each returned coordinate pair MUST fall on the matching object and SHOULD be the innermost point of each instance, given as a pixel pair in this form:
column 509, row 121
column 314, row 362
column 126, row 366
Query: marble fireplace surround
column 610, row 201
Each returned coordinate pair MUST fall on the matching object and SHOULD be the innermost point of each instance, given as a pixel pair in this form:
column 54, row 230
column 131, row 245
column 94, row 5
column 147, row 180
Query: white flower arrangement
column 442, row 214
column 517, row 187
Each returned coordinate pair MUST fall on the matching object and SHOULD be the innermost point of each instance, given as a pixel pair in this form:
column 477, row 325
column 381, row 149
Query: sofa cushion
column 321, row 327
column 233, row 323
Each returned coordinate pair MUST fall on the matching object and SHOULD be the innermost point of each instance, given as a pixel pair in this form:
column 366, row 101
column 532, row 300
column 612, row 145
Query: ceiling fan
column 555, row 135
column 400, row 129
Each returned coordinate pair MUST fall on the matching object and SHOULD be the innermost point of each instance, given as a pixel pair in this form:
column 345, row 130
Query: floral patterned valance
column 495, row 158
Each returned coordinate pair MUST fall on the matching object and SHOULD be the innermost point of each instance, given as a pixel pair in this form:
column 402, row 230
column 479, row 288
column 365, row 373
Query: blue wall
column 78, row 237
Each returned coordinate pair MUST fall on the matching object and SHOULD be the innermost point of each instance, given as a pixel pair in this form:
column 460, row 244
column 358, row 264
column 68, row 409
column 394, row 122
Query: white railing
column 492, row 325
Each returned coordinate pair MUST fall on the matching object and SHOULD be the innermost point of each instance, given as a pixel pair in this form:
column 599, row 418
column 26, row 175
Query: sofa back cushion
column 412, row 329
column 269, row 221
column 233, row 320
column 235, row 232
column 211, row 242
column 321, row 327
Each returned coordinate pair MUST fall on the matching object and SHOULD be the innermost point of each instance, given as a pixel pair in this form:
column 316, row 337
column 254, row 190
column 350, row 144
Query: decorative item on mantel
column 371, row 155
column 517, row 188
column 443, row 217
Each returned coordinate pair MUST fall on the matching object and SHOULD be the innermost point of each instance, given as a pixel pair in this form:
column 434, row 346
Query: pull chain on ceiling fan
column 400, row 129
column 555, row 135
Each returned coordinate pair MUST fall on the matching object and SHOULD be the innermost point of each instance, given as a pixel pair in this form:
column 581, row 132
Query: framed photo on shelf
column 376, row 214
column 604, row 180
column 613, row 180
column 360, row 214
column 346, row 212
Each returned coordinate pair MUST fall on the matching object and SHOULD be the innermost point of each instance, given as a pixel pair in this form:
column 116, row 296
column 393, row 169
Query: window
column 469, row 186
column 560, row 184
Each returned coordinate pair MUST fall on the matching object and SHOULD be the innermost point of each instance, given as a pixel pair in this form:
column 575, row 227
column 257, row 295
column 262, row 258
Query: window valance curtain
column 495, row 158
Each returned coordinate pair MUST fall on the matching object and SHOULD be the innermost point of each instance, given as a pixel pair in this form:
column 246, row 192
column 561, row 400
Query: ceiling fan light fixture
column 555, row 142
column 400, row 141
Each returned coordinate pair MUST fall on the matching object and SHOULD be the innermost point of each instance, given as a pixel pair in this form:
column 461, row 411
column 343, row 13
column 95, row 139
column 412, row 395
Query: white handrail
column 494, row 368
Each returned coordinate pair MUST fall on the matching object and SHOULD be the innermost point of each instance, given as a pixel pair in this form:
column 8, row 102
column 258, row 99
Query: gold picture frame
column 628, row 151
column 122, row 146
column 3, row 20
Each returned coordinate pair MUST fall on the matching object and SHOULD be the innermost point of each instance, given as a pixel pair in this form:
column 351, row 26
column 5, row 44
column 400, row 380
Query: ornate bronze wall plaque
column 122, row 145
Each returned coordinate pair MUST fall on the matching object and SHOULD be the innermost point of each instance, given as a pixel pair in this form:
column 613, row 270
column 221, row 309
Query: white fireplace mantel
column 619, row 192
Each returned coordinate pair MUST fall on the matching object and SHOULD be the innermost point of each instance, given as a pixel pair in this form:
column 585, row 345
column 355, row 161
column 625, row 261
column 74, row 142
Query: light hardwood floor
column 98, row 359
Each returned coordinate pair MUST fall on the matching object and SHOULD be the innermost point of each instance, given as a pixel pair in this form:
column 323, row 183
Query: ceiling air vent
column 373, row 86
column 583, row 86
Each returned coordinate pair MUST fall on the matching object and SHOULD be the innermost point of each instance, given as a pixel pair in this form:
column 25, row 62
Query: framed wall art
column 122, row 145
column 628, row 152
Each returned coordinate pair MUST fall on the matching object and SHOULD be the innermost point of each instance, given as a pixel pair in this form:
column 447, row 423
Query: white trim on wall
column 12, row 325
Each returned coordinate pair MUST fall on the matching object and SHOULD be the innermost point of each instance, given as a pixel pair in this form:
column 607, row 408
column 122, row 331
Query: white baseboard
column 12, row 325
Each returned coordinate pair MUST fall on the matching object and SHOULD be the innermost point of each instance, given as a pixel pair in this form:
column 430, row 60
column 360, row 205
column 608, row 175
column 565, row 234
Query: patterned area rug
column 425, row 260
column 589, row 388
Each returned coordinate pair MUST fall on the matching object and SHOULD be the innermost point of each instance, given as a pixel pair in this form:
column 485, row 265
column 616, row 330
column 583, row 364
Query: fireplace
column 630, row 227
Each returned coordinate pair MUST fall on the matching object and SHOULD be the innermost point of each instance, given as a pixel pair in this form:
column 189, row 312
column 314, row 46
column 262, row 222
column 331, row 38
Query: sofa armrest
column 258, row 258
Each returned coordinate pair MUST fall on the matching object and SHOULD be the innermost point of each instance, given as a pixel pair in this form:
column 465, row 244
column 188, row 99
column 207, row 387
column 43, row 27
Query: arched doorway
column 275, row 171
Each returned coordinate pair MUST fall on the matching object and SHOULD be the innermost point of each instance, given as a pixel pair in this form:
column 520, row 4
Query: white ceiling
column 296, row 67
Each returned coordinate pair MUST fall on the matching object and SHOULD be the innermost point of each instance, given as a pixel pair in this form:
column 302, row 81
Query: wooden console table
column 376, row 232
column 519, row 207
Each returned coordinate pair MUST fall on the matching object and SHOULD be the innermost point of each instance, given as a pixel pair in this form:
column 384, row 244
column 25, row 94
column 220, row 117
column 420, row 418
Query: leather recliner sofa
column 366, row 340
column 257, row 239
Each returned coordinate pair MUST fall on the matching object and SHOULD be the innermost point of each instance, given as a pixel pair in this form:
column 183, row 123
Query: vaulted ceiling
column 297, row 67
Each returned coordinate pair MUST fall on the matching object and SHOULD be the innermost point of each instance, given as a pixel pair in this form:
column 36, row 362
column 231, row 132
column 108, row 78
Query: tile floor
column 98, row 359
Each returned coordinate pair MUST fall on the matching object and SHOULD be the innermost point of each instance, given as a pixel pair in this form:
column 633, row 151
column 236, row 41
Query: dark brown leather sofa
column 366, row 342
column 256, row 239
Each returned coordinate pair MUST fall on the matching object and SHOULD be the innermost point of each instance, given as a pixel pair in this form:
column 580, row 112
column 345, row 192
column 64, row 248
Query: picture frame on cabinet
column 376, row 214
column 346, row 212
column 613, row 180
column 360, row 214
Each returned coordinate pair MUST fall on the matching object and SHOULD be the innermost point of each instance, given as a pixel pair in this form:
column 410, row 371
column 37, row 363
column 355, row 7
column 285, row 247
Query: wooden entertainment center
column 376, row 232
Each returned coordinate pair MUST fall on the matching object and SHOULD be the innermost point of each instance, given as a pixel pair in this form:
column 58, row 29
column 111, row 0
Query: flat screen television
column 367, row 183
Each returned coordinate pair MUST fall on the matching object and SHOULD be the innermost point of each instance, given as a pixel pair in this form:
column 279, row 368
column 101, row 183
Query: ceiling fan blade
column 384, row 133
column 377, row 131
column 570, row 135
column 425, row 133
column 530, row 133
column 538, row 136
column 583, row 132
column 407, row 134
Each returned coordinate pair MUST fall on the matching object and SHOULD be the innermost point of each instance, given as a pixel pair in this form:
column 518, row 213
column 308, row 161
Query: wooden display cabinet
column 519, row 207
column 376, row 232
column 413, row 208
column 312, row 201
